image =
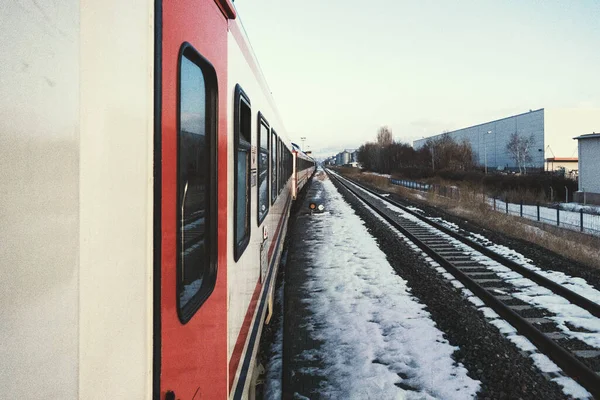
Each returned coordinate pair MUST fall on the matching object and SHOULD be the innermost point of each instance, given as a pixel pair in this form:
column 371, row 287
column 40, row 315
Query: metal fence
column 556, row 215
column 552, row 215
column 424, row 187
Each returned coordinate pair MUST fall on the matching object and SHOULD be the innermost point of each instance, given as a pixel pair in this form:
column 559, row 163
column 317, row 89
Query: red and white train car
column 146, row 183
column 303, row 167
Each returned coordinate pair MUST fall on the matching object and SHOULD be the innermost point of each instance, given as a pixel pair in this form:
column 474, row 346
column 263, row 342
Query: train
column 147, row 181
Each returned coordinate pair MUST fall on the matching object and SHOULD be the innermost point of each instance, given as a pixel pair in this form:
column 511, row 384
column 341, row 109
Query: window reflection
column 193, row 181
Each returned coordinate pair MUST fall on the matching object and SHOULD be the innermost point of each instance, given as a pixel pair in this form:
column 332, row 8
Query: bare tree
column 519, row 149
column 384, row 136
column 446, row 153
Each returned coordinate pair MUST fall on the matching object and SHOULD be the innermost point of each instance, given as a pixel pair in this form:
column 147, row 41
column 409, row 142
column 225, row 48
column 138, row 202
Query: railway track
column 469, row 262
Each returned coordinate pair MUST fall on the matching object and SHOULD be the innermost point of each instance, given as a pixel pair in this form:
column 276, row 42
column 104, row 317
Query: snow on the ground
column 375, row 328
column 377, row 174
column 526, row 290
column 592, row 209
column 569, row 216
column 564, row 313
column 578, row 285
column 274, row 366
column 544, row 364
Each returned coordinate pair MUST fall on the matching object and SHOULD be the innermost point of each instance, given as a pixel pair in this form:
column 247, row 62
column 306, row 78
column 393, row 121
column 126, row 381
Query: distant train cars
column 146, row 194
column 304, row 167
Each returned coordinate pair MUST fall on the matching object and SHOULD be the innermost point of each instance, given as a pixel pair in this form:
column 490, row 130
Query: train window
column 273, row 166
column 279, row 164
column 263, row 169
column 242, row 143
column 289, row 165
column 196, row 182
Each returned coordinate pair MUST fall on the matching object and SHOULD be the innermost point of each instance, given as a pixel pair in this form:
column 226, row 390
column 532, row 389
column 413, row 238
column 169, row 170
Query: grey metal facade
column 589, row 164
column 491, row 147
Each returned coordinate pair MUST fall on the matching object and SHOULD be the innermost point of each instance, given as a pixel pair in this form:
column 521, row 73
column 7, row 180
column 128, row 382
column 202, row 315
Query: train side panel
column 193, row 348
column 304, row 167
column 39, row 182
column 76, row 145
column 251, row 276
column 115, row 198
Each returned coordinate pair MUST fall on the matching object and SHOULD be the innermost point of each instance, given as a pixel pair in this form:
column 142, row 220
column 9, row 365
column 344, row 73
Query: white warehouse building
column 552, row 131
column 589, row 168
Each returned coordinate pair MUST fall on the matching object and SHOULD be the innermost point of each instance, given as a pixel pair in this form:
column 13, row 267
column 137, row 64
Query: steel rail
column 575, row 298
column 563, row 358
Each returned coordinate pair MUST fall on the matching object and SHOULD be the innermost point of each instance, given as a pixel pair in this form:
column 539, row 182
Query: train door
column 190, row 312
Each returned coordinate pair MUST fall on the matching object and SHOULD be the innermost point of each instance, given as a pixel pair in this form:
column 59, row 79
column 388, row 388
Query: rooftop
column 593, row 135
column 557, row 159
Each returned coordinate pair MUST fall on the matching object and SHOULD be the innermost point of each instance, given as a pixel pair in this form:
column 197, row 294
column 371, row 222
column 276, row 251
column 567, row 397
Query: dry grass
column 371, row 179
column 571, row 244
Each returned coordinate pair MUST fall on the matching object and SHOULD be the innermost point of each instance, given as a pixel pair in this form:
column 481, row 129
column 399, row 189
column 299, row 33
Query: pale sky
column 339, row 70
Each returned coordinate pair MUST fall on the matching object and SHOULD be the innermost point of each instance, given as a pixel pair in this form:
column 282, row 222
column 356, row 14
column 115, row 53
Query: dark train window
column 196, row 182
column 273, row 166
column 279, row 164
column 263, row 169
column 242, row 142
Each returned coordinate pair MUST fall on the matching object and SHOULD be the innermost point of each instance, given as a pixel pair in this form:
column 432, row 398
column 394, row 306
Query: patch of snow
column 275, row 364
column 544, row 363
column 377, row 174
column 360, row 296
column 570, row 387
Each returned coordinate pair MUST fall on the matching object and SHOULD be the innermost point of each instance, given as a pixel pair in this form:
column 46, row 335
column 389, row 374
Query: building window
column 273, row 166
column 196, row 182
column 242, row 143
column 263, row 169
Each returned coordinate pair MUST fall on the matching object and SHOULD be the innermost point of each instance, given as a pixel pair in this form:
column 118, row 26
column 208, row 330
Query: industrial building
column 551, row 131
column 589, row 169
column 344, row 158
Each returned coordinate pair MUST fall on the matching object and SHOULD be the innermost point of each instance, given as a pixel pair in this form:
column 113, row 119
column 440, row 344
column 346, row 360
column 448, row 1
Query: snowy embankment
column 564, row 313
column 378, row 341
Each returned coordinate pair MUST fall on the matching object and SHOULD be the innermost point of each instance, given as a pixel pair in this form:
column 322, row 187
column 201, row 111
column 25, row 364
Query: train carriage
column 147, row 179
column 303, row 167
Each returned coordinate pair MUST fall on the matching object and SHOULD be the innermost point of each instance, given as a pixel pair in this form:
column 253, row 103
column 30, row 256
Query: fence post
column 581, row 219
column 566, row 194
column 494, row 203
column 558, row 215
column 538, row 211
column 506, row 202
column 521, row 208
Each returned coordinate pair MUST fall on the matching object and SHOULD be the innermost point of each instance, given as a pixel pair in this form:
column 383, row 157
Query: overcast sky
column 339, row 70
